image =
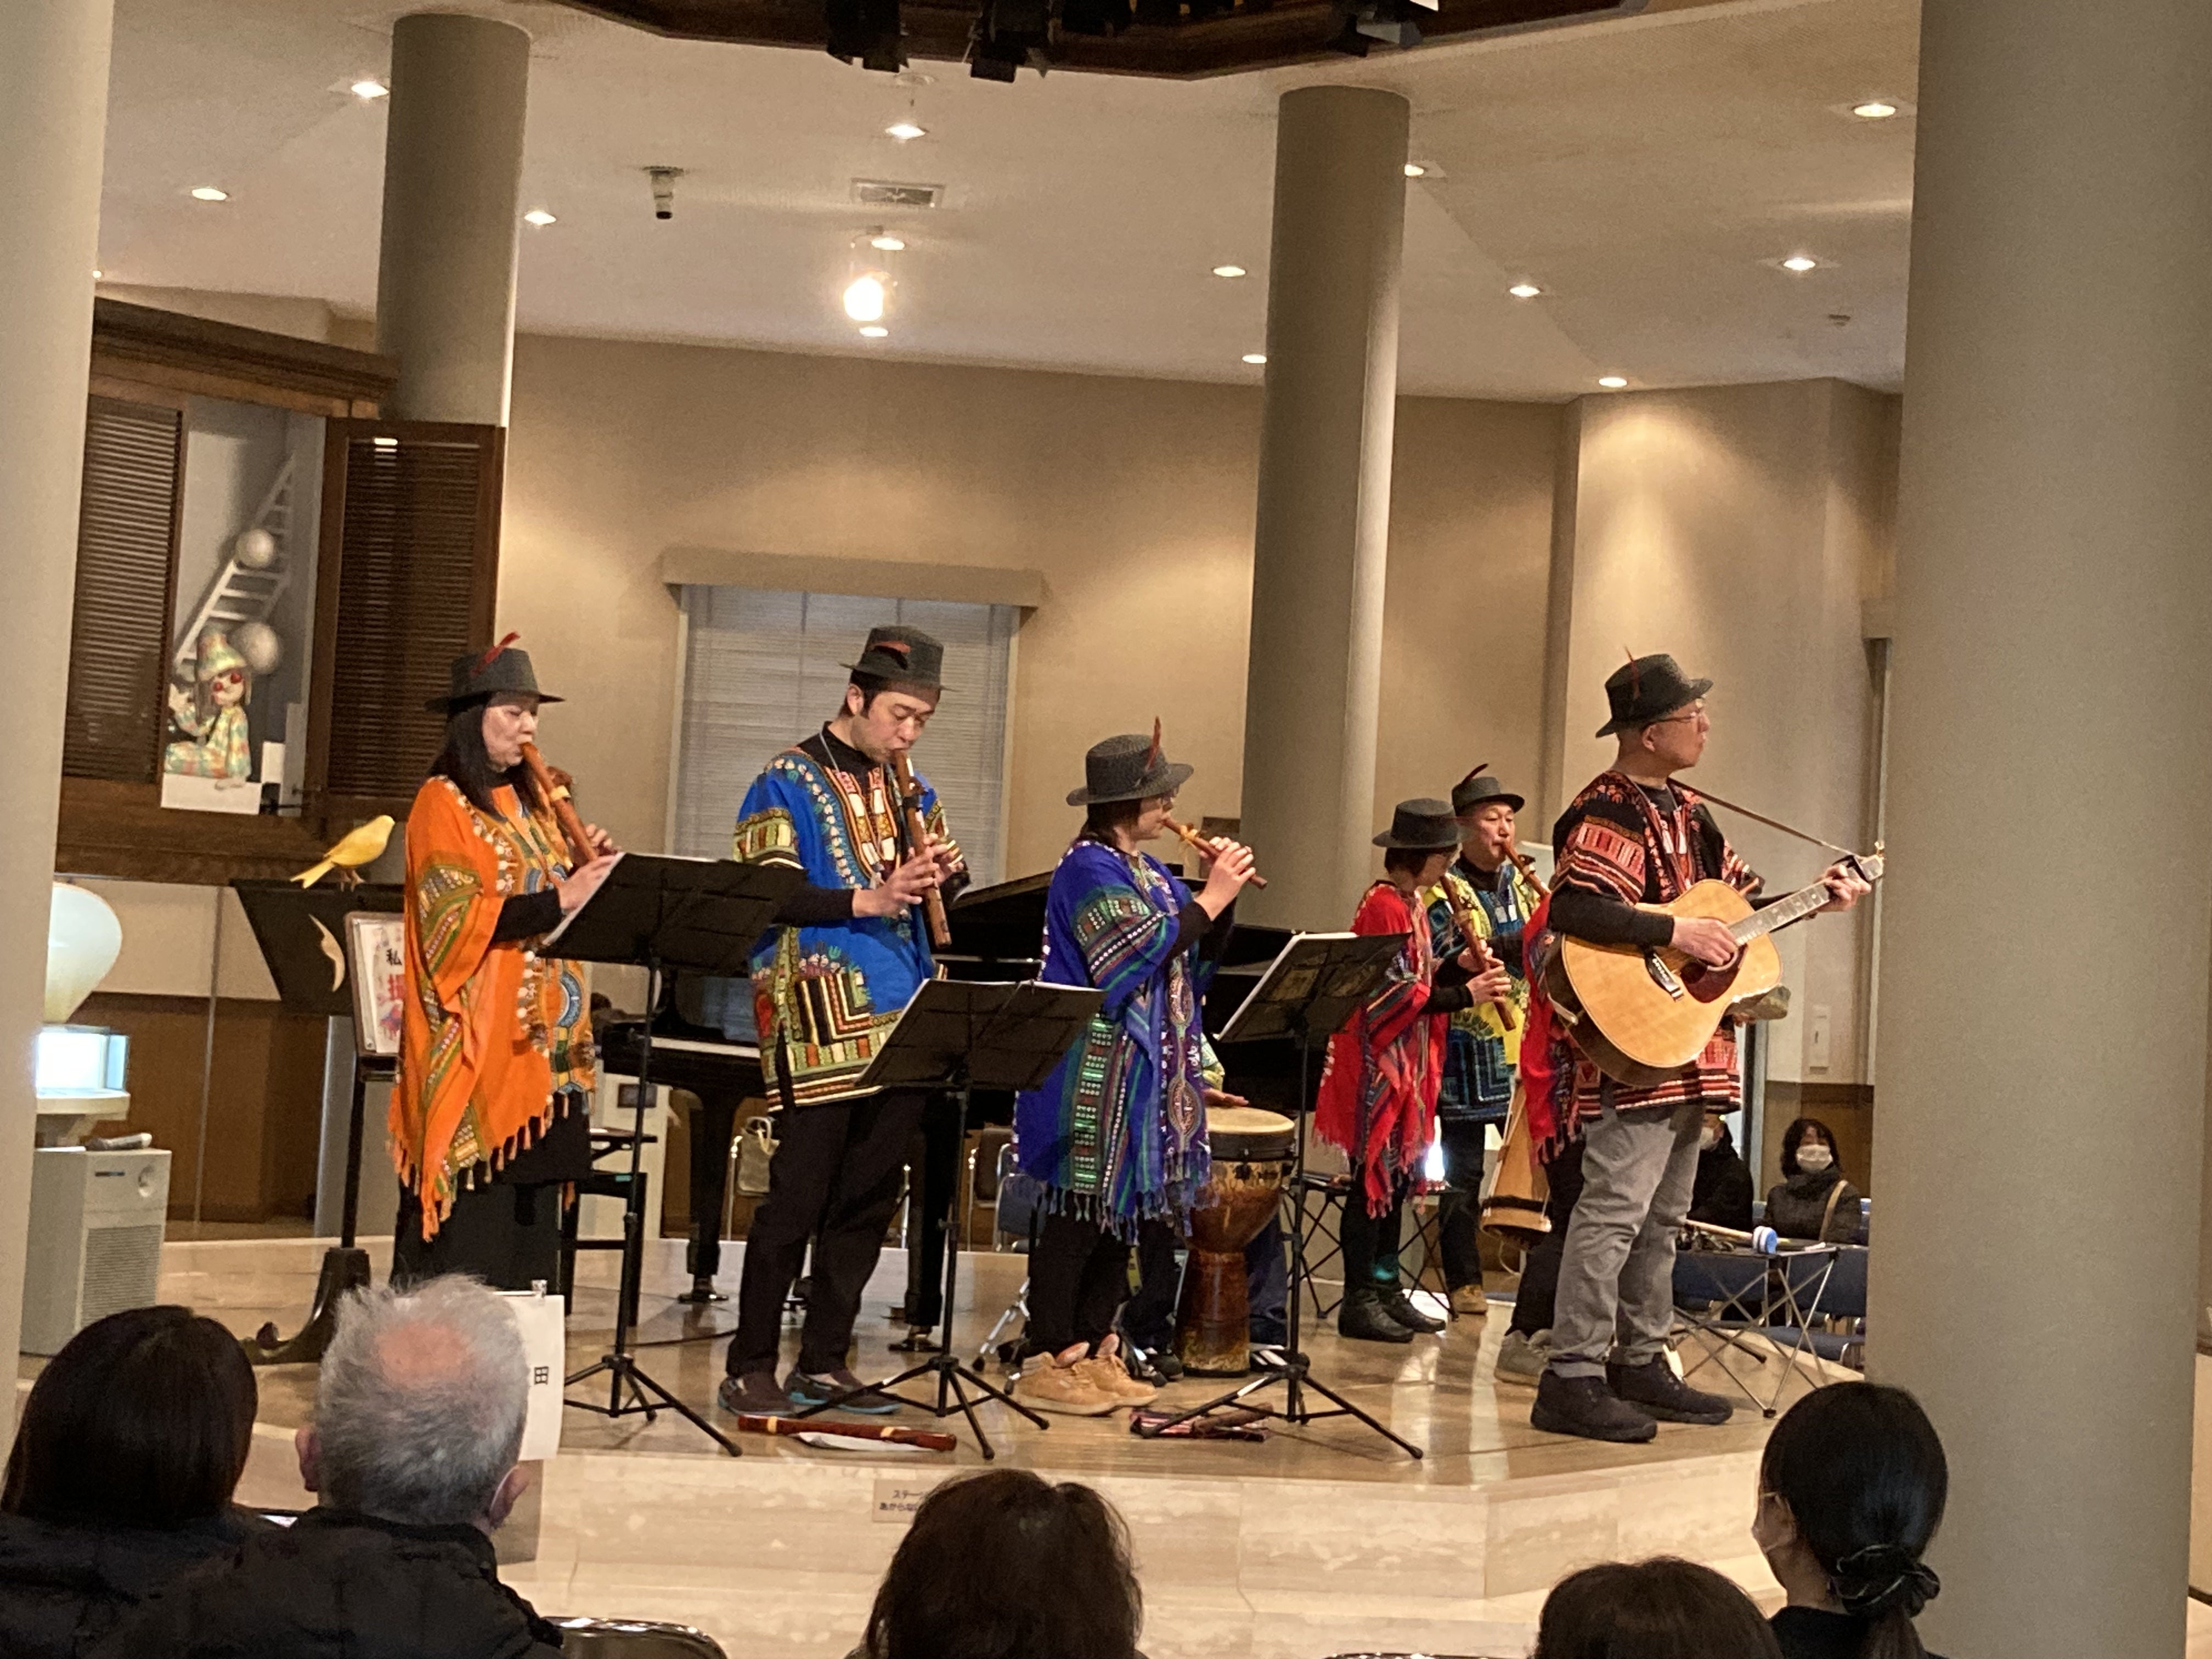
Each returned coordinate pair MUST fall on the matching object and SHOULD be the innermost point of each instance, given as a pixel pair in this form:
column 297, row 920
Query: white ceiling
column 1643, row 171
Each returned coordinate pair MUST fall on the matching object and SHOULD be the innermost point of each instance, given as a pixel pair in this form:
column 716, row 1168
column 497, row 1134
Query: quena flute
column 1199, row 844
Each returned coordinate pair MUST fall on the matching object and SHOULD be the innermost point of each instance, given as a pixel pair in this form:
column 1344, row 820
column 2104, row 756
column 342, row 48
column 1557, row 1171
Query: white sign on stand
column 545, row 1345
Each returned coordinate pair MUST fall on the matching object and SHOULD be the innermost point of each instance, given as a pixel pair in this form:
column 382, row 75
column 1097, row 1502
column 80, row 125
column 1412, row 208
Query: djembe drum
column 1253, row 1156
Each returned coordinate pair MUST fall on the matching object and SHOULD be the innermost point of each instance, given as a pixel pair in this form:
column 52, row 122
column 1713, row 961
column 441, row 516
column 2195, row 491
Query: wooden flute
column 1483, row 954
column 928, row 1439
column 554, row 787
column 917, row 835
column 1205, row 848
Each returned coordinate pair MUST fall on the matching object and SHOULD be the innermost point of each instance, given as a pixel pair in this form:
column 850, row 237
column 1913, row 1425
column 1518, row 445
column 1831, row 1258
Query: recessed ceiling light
column 1524, row 290
column 1256, row 358
column 1801, row 263
column 884, row 242
column 906, row 132
column 1612, row 382
column 1416, row 170
column 210, row 193
column 539, row 217
column 367, row 88
column 1875, row 109
column 97, row 275
column 875, row 331
column 1229, row 270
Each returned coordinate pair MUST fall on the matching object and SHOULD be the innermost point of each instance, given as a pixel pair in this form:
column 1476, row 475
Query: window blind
column 762, row 670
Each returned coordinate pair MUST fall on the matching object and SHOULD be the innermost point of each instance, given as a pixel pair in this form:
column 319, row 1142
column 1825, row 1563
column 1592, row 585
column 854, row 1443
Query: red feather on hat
column 492, row 656
column 1152, row 754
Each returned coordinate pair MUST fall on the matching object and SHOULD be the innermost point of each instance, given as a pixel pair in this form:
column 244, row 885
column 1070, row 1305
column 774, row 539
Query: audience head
column 1004, row 1565
column 419, row 1408
column 1663, row 1608
column 1808, row 1144
column 1852, row 1486
column 143, row 1419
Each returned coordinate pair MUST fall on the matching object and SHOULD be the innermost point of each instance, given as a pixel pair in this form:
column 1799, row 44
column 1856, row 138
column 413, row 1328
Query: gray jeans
column 1616, row 1297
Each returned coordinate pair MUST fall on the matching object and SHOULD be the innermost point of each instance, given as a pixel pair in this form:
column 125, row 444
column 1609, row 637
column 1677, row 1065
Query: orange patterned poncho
column 493, row 1033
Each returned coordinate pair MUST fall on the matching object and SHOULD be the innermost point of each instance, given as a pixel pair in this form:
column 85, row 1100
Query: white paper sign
column 543, row 1320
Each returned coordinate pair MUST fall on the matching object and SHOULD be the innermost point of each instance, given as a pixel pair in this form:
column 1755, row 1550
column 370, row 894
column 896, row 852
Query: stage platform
column 1315, row 1542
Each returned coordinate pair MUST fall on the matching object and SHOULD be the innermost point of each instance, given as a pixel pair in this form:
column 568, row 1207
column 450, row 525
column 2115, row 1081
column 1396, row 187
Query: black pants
column 1078, row 1280
column 1371, row 1241
column 933, row 1185
column 1459, row 1216
column 713, row 1126
column 1149, row 1320
column 1539, row 1274
column 507, row 1235
column 835, row 1178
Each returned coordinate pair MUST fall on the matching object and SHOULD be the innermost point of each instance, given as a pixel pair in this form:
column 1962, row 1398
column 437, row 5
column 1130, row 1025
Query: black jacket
column 63, row 1587
column 336, row 1585
column 1812, row 1633
column 1721, row 1195
column 1794, row 1209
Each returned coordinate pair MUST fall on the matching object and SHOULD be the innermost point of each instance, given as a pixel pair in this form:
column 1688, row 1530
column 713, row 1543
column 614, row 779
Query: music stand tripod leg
column 345, row 1264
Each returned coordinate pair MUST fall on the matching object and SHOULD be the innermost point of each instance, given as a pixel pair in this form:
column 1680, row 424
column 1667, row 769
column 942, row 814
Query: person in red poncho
column 1379, row 1092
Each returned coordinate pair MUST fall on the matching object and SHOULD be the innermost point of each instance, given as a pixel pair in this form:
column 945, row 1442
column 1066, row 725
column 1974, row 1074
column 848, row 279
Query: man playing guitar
column 1634, row 837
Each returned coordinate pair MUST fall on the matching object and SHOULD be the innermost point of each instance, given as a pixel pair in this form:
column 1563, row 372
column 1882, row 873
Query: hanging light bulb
column 865, row 296
column 870, row 288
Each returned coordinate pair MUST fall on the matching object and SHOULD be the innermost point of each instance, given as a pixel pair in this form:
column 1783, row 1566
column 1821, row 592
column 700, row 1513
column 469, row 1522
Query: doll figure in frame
column 212, row 714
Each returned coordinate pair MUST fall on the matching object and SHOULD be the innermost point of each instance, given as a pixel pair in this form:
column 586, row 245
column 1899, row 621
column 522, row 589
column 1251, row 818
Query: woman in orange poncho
column 492, row 1109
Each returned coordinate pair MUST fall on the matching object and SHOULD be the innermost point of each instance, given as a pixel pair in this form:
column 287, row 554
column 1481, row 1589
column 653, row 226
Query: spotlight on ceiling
column 868, row 33
column 1256, row 358
column 1417, row 169
column 210, row 193
column 368, row 90
column 1875, row 109
column 866, row 295
column 906, row 131
column 539, row 217
column 1229, row 270
column 1393, row 22
column 884, row 242
column 875, row 331
column 1612, row 382
column 1524, row 290
column 1800, row 264
column 1005, row 35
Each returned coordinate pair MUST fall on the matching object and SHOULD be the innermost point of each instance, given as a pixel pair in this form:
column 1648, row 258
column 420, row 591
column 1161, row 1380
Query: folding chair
column 1843, row 1300
column 1748, row 1304
column 1017, row 1215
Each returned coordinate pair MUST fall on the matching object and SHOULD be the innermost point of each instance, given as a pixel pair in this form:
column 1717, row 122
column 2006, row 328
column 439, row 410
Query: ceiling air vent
column 884, row 193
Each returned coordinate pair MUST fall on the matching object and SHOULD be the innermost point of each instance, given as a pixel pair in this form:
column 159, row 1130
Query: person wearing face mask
column 1721, row 1195
column 1851, row 1488
column 1813, row 1201
column 491, row 1116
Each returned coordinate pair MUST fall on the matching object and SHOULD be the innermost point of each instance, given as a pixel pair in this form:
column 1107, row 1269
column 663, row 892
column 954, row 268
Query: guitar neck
column 1798, row 906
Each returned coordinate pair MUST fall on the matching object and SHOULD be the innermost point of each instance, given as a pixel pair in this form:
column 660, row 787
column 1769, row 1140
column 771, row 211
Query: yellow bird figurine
column 353, row 848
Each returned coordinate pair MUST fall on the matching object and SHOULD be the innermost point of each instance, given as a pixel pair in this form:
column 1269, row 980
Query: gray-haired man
column 418, row 1419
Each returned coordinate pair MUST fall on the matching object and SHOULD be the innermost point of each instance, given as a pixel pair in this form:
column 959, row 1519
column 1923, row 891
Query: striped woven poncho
column 1117, row 1133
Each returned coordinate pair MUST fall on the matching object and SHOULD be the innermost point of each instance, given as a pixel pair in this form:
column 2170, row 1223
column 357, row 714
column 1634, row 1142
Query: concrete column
column 2042, row 1063
column 1324, row 512
column 452, row 186
column 53, row 116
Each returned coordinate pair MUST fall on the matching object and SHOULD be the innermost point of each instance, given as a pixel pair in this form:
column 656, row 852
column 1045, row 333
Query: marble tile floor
column 1317, row 1541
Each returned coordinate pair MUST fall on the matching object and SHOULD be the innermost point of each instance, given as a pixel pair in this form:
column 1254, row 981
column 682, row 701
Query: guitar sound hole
column 1710, row 984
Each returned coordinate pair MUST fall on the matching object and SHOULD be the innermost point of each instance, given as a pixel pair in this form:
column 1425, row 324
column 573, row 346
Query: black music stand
column 302, row 935
column 658, row 912
column 1308, row 992
column 958, row 1035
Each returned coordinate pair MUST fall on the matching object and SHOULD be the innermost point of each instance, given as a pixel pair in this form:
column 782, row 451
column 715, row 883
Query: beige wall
column 1741, row 528
column 1133, row 498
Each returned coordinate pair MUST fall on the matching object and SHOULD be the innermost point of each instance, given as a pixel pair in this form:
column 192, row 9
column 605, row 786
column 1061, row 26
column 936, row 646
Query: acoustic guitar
column 1641, row 1013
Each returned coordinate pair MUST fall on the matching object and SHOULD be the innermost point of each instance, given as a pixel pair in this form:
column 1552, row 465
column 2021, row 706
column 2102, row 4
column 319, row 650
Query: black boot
column 1364, row 1318
column 1653, row 1388
column 1585, row 1406
column 1400, row 1307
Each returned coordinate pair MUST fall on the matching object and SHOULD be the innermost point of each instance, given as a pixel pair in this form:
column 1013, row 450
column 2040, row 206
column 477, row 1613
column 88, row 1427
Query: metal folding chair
column 1749, row 1304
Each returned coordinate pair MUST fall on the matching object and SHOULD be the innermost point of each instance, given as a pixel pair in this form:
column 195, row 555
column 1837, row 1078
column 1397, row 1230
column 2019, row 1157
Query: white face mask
column 1813, row 1158
column 1709, row 1136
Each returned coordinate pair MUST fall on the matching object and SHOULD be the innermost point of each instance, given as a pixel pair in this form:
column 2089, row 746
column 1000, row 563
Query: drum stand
column 1292, row 1367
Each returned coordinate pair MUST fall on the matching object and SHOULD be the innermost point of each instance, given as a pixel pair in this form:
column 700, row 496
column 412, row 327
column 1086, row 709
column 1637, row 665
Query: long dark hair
column 143, row 1419
column 1663, row 1608
column 1004, row 1566
column 1794, row 1137
column 468, row 763
column 1862, row 1469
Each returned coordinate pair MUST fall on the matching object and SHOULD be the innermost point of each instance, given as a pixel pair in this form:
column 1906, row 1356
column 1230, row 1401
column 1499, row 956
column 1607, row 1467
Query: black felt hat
column 1421, row 826
column 1127, row 768
column 483, row 675
column 1478, row 788
column 1640, row 691
column 906, row 656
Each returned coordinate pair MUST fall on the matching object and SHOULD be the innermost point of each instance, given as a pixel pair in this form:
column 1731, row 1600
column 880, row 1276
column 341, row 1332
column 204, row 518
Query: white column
column 2042, row 1065
column 452, row 185
column 1322, row 536
column 53, row 115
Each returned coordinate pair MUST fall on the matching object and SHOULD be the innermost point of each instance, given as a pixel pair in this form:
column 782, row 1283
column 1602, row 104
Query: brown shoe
column 1062, row 1383
column 1469, row 1303
column 1110, row 1376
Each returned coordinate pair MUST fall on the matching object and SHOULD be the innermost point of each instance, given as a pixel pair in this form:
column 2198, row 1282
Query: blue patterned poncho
column 1118, row 1132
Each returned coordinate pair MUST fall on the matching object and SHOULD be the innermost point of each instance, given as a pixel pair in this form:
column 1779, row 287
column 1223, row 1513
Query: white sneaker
column 1521, row 1358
